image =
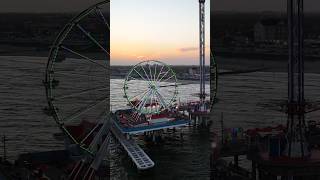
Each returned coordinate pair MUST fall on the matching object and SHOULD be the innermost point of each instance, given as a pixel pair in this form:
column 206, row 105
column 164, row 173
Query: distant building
column 270, row 30
column 192, row 71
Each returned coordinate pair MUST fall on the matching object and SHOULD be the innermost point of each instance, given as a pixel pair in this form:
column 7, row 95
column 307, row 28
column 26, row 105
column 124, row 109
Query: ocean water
column 246, row 100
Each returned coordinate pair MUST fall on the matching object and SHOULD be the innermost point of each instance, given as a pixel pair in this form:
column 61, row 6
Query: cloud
column 187, row 49
column 138, row 56
column 141, row 57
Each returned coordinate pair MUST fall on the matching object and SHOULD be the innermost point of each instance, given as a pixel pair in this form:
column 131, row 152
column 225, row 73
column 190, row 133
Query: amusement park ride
column 77, row 90
column 80, row 109
column 286, row 151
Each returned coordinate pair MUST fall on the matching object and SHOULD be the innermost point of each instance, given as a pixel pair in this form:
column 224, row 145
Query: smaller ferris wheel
column 150, row 87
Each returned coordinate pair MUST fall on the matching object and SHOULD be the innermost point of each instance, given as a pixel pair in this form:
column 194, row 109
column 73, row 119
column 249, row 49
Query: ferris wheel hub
column 152, row 86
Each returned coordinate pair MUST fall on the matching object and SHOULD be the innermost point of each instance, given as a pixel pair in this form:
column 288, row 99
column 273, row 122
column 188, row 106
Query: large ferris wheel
column 77, row 81
column 150, row 87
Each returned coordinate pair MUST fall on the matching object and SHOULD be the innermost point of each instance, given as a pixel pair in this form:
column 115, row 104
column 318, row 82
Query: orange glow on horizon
column 140, row 53
column 147, row 30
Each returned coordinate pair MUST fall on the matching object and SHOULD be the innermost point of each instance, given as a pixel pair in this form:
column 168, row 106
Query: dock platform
column 138, row 156
column 151, row 127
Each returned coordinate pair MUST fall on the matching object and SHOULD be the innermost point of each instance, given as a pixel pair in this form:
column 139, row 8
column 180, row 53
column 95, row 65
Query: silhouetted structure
column 296, row 102
column 270, row 30
column 202, row 50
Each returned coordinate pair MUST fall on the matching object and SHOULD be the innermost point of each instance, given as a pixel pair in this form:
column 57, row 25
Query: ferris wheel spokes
column 146, row 74
column 168, row 78
column 166, row 93
column 102, row 17
column 92, row 130
column 85, row 109
column 155, row 72
column 159, row 73
column 150, row 74
column 161, row 100
column 140, row 75
column 142, row 93
column 144, row 101
column 163, row 76
column 92, row 38
column 74, row 74
column 83, row 56
column 80, row 93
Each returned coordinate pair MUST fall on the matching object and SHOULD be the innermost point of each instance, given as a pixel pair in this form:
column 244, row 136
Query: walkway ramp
column 138, row 156
column 86, row 168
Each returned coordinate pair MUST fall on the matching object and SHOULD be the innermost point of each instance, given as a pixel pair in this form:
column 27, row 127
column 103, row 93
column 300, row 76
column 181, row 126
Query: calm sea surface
column 247, row 100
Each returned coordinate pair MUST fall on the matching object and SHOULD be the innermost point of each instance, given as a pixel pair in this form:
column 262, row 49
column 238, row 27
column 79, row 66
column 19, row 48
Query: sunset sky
column 166, row 30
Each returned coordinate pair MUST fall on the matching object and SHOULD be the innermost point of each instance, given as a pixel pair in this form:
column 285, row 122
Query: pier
column 198, row 113
column 138, row 156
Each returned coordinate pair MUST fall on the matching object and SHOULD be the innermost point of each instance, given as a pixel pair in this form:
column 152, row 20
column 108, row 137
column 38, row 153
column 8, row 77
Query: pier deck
column 138, row 156
column 152, row 127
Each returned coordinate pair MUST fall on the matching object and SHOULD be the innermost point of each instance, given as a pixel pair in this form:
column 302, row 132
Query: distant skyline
column 260, row 5
column 166, row 30
column 45, row 6
column 38, row 6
